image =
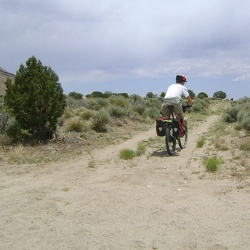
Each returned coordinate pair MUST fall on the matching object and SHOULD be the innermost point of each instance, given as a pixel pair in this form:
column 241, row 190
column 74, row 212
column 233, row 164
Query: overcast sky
column 132, row 46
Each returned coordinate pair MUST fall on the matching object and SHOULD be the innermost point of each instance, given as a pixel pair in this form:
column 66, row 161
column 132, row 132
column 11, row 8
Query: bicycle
column 174, row 131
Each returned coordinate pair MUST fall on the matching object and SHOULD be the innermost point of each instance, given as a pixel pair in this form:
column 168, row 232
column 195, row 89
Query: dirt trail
column 150, row 202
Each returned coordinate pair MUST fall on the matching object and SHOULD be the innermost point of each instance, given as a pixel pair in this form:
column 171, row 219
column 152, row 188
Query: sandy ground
column 150, row 202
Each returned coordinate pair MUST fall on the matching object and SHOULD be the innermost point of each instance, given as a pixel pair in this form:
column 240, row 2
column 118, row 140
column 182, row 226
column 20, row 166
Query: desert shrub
column 76, row 126
column 140, row 109
column 231, row 114
column 246, row 121
column 200, row 105
column 96, row 103
column 238, row 127
column 152, row 112
column 74, row 103
column 245, row 145
column 135, row 99
column 86, row 114
column 67, row 113
column 153, row 102
column 239, row 111
column 119, row 101
column 117, row 111
column 101, row 120
column 243, row 115
column 211, row 163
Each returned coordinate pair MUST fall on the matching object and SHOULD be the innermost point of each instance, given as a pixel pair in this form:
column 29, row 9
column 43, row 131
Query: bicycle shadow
column 163, row 153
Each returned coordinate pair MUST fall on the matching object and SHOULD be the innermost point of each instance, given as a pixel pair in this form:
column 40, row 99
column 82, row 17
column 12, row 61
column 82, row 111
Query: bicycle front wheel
column 170, row 141
column 183, row 140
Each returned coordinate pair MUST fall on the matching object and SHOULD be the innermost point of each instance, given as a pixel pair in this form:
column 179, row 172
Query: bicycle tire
column 184, row 139
column 170, row 140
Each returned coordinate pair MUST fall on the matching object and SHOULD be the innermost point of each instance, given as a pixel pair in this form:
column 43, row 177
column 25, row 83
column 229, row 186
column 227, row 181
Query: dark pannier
column 160, row 126
column 176, row 127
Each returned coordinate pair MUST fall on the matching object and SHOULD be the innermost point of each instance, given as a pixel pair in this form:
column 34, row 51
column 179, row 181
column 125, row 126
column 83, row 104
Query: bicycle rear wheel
column 170, row 140
column 183, row 140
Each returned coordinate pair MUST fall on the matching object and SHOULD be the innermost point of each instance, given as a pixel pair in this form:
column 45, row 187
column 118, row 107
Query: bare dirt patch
column 98, row 201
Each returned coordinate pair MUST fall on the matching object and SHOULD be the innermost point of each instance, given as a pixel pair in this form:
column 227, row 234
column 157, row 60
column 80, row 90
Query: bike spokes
column 170, row 141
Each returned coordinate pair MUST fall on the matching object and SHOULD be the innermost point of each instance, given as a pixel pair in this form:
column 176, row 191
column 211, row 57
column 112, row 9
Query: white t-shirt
column 176, row 90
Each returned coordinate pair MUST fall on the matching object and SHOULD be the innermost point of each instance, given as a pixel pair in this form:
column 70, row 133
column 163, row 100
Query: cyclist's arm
column 189, row 100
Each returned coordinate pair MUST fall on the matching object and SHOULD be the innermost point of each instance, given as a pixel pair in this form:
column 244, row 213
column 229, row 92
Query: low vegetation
column 100, row 119
column 128, row 154
column 211, row 163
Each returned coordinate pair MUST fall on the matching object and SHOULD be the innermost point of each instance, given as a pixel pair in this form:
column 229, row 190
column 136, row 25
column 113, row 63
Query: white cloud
column 94, row 39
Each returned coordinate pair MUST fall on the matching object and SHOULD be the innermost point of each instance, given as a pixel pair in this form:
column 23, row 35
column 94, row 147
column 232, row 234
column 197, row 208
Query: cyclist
column 173, row 97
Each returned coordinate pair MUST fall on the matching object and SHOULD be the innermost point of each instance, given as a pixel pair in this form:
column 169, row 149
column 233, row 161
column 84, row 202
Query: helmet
column 180, row 78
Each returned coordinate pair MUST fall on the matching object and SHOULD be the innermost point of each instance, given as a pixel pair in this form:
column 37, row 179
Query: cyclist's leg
column 179, row 111
column 166, row 111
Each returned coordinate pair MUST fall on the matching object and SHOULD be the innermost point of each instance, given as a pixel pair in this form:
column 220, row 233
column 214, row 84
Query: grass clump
column 245, row 146
column 76, row 126
column 127, row 154
column 141, row 149
column 211, row 163
column 200, row 142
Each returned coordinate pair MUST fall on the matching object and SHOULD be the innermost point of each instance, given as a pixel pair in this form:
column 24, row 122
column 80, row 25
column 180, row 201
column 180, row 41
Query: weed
column 200, row 142
column 91, row 164
column 76, row 126
column 141, row 149
column 245, row 146
column 238, row 127
column 127, row 154
column 211, row 163
column 86, row 114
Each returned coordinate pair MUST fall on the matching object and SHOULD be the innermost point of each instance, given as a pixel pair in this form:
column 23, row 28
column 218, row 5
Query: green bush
column 76, row 126
column 116, row 111
column 231, row 114
column 202, row 95
column 141, row 149
column 96, row 103
column 246, row 121
column 200, row 142
column 127, row 154
column 245, row 145
column 140, row 109
column 86, row 114
column 101, row 120
column 119, row 101
column 152, row 112
column 200, row 105
column 75, row 95
column 211, row 164
column 36, row 100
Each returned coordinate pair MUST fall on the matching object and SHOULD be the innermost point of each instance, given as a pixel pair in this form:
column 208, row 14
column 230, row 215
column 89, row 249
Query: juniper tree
column 36, row 100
